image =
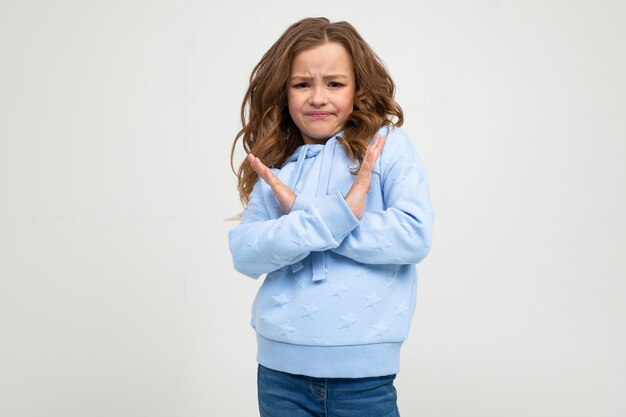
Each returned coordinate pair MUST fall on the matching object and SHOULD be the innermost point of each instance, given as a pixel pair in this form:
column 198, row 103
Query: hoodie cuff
column 301, row 202
column 336, row 215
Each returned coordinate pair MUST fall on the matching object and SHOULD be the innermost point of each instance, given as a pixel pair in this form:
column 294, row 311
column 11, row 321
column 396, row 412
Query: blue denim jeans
column 287, row 395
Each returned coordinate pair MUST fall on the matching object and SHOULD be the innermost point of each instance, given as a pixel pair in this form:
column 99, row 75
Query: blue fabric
column 287, row 395
column 371, row 359
column 340, row 292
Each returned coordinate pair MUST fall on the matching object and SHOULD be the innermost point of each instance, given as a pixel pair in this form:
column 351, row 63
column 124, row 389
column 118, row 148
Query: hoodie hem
column 353, row 361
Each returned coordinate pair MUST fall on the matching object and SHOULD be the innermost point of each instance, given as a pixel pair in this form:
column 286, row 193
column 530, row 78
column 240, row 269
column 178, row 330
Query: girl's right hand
column 285, row 196
column 356, row 197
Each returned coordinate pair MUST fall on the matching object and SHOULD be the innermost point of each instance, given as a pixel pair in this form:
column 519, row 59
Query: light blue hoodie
column 340, row 292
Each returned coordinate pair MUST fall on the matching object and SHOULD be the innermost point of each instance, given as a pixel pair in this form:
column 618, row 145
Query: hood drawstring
column 295, row 267
column 318, row 262
column 318, row 259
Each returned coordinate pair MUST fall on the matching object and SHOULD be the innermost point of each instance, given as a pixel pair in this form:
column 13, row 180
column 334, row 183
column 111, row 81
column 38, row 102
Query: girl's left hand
column 286, row 197
column 357, row 195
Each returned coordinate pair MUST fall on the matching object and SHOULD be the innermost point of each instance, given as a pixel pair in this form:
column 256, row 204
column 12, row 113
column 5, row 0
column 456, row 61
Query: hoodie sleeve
column 263, row 243
column 401, row 233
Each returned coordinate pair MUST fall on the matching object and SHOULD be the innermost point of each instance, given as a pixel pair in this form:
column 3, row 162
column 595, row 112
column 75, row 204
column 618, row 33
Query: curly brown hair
column 268, row 130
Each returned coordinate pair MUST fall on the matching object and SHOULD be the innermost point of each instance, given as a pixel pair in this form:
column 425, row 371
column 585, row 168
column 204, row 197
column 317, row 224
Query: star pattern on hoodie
column 360, row 276
column 379, row 329
column 382, row 242
column 372, row 300
column 310, row 310
column 254, row 244
column 280, row 225
column 337, row 289
column 303, row 282
column 393, row 278
column 281, row 300
column 301, row 242
column 321, row 341
column 348, row 320
column 392, row 281
column 285, row 329
column 402, row 310
column 399, row 259
column 283, row 259
column 400, row 180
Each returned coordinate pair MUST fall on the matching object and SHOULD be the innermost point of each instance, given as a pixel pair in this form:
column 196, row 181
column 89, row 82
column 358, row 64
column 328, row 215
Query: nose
column 318, row 96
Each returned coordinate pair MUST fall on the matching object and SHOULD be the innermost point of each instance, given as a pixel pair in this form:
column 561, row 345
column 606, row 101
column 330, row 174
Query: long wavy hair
column 268, row 130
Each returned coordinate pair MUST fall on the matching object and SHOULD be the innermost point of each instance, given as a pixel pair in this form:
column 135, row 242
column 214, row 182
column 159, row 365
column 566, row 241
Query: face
column 321, row 91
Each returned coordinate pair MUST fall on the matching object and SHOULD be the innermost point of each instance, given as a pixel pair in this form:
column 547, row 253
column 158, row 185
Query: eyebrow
column 306, row 77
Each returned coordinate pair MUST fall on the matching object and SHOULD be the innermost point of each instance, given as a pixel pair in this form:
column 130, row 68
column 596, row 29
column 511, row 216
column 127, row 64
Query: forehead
column 327, row 57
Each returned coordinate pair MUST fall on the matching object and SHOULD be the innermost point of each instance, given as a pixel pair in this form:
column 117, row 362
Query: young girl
column 338, row 221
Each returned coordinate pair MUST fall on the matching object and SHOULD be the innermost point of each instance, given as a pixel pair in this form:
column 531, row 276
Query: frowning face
column 321, row 91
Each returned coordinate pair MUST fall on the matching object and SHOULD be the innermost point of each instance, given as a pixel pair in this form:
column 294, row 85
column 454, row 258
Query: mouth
column 319, row 114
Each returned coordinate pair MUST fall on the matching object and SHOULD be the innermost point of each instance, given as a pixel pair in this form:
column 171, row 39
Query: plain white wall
column 117, row 294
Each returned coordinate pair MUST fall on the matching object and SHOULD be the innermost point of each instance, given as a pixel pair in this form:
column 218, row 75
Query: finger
column 376, row 149
column 280, row 190
column 284, row 194
column 265, row 173
column 256, row 164
column 371, row 154
column 261, row 169
column 377, row 146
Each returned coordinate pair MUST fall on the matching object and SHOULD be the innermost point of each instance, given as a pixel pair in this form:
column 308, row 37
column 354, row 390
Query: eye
column 334, row 84
column 301, row 85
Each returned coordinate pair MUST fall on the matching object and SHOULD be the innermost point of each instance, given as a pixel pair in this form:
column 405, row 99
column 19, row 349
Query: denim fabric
column 286, row 395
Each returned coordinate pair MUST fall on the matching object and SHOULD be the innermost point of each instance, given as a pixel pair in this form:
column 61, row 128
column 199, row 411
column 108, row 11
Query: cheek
column 292, row 105
column 294, row 115
column 348, row 100
column 348, row 104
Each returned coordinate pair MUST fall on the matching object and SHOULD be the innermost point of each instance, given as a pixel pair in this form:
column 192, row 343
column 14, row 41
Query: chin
column 321, row 135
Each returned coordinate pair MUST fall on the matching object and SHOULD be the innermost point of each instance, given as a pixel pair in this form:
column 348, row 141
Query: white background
column 117, row 293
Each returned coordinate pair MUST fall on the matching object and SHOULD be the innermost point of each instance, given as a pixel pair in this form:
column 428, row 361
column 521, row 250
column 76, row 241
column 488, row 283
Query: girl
column 339, row 220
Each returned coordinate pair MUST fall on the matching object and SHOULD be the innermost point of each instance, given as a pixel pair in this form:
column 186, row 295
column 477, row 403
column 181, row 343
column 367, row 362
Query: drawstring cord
column 318, row 259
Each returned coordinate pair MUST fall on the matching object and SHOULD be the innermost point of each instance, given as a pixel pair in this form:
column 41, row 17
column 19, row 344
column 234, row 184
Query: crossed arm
column 340, row 223
column 356, row 197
